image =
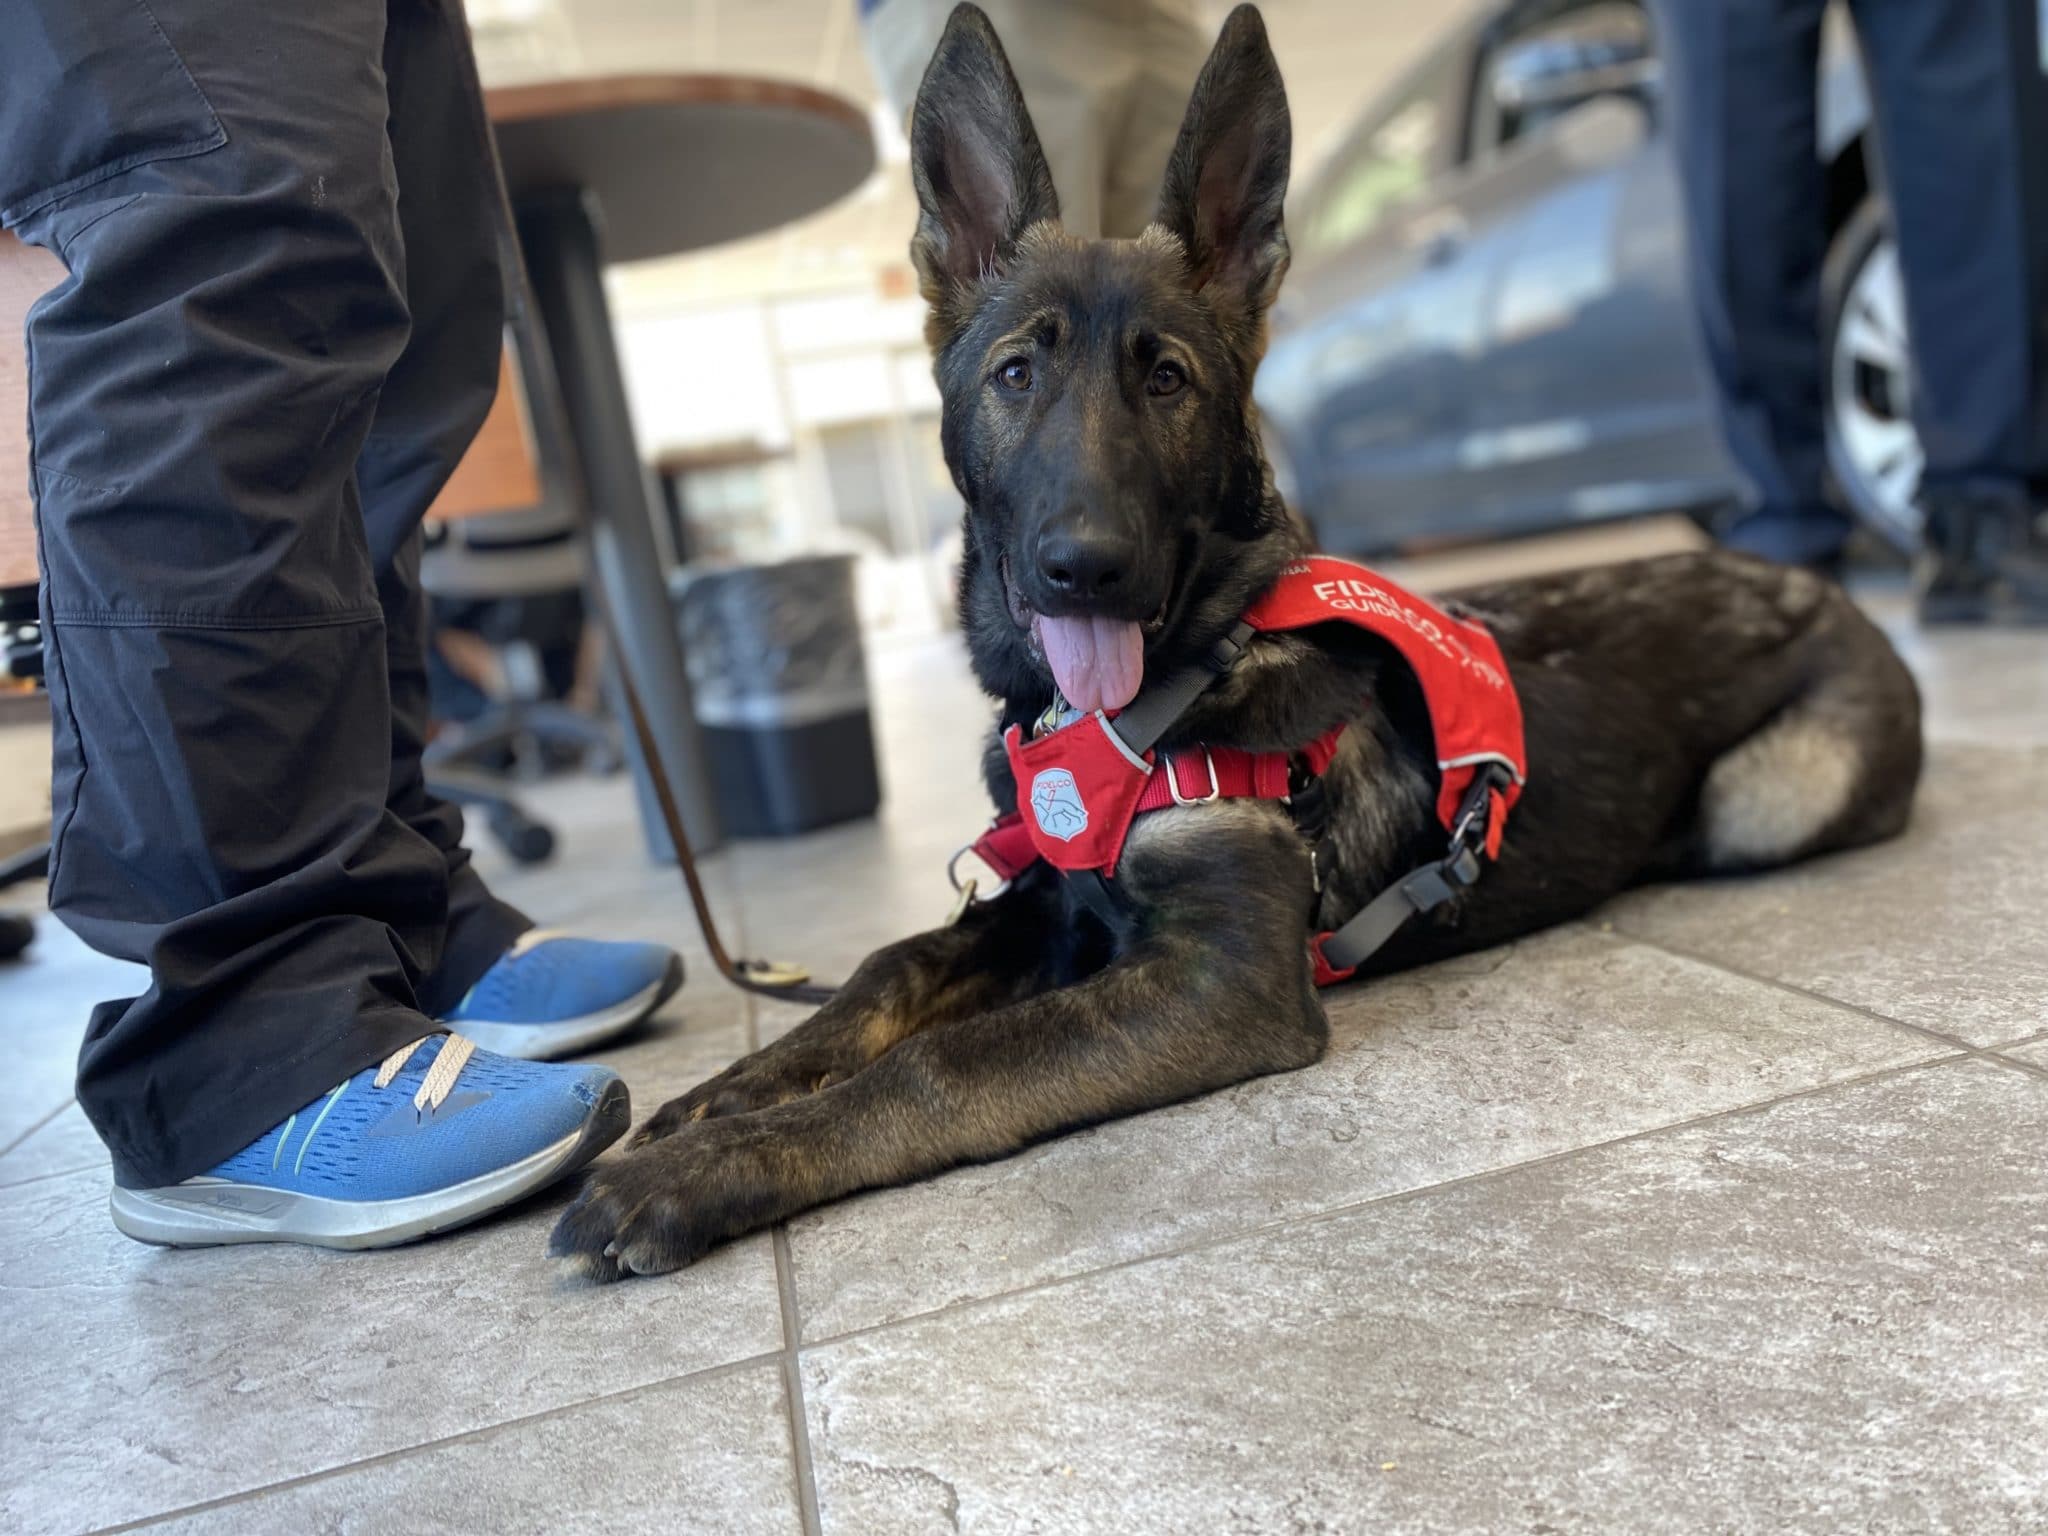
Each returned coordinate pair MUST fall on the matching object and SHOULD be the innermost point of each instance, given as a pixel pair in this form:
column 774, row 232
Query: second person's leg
column 1947, row 82
column 1740, row 80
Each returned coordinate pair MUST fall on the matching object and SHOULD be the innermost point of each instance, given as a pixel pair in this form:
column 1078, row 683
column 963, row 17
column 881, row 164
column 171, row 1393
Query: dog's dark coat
column 1684, row 715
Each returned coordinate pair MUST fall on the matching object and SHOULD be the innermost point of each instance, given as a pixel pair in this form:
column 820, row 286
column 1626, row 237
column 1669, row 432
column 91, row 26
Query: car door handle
column 1436, row 237
column 1440, row 250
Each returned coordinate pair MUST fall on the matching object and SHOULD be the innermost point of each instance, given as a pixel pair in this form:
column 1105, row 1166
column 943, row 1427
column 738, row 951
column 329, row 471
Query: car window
column 1560, row 34
column 1386, row 163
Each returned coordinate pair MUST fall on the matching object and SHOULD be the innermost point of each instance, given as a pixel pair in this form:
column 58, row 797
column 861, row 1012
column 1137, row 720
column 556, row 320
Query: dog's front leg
column 1213, row 988
column 997, row 952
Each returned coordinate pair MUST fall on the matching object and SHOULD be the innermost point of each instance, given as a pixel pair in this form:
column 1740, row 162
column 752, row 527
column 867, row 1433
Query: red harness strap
column 1192, row 776
column 1006, row 848
column 1079, row 788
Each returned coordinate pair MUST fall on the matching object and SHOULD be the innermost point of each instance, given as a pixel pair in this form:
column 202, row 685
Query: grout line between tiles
column 55, row 1173
column 753, row 1017
column 461, row 1437
column 741, row 943
column 1954, row 1042
column 24, row 1136
column 1393, row 1197
column 2032, row 1069
column 793, row 1387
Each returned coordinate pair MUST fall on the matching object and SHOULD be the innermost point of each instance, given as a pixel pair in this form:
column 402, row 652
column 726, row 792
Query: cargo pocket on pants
column 94, row 90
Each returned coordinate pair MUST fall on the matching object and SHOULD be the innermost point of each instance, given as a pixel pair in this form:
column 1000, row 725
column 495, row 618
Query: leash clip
column 960, row 905
column 1469, row 831
column 1173, row 781
column 770, row 973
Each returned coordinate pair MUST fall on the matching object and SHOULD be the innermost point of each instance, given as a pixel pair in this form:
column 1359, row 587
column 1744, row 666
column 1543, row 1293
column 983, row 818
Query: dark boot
column 1983, row 562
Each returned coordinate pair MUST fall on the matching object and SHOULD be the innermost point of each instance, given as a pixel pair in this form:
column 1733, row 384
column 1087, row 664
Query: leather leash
column 758, row 976
column 764, row 978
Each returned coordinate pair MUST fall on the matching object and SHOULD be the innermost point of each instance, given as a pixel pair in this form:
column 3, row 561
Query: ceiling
column 1335, row 54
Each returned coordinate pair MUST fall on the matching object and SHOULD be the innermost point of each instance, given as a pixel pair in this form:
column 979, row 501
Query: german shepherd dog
column 1685, row 715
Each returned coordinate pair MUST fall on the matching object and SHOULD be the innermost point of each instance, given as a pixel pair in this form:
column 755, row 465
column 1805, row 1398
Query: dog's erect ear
column 1227, row 178
column 981, row 178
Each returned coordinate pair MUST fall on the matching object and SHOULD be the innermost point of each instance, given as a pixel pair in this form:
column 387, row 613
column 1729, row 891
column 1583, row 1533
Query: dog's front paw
column 666, row 1205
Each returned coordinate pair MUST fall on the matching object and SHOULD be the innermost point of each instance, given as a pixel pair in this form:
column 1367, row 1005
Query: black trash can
column 780, row 676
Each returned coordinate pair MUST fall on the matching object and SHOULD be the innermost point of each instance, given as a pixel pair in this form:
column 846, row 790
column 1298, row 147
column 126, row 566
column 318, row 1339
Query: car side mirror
column 1550, row 75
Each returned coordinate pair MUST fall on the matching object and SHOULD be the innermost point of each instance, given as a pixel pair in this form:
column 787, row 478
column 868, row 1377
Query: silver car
column 1486, row 329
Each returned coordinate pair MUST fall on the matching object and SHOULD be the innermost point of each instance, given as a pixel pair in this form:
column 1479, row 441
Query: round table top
column 679, row 162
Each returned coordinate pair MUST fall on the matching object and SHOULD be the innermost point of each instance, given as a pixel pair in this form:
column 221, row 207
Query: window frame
column 1481, row 137
column 1441, row 76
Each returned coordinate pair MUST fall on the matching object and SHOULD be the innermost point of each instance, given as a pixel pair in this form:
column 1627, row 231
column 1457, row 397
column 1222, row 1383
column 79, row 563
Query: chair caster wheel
column 15, row 933
column 526, row 840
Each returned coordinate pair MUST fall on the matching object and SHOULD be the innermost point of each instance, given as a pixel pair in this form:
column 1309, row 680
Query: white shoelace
column 440, row 1079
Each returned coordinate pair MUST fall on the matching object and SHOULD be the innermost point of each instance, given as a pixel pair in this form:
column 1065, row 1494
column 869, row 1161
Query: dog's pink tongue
column 1098, row 663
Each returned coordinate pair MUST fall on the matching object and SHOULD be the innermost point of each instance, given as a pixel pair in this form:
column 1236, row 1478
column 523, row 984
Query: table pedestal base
column 564, row 261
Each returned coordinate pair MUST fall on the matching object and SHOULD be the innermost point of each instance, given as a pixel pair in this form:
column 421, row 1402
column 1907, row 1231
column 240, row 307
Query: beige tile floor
column 1725, row 1210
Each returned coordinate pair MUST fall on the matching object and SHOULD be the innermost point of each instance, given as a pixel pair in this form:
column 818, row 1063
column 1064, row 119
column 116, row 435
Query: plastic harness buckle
column 1340, row 953
column 1227, row 652
column 1475, row 811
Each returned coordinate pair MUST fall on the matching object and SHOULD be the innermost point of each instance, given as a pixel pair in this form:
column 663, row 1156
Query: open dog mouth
column 1098, row 662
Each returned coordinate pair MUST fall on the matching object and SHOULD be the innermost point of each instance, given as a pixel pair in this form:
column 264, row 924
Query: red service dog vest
column 1080, row 787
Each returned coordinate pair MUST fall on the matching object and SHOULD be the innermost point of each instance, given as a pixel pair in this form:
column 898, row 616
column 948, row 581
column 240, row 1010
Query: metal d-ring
column 966, row 888
column 1173, row 781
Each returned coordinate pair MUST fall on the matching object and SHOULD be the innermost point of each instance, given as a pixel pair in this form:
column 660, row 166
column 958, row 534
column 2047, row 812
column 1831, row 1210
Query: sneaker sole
column 205, row 1213
column 565, row 1037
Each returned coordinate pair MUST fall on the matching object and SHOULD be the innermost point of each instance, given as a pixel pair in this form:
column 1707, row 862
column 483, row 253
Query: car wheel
column 1873, row 449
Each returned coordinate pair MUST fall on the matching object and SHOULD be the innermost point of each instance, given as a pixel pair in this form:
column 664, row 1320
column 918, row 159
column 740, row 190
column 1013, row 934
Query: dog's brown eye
column 1015, row 374
column 1167, row 379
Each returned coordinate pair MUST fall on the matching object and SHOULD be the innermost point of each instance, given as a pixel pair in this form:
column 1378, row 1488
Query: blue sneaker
column 438, row 1135
column 550, row 995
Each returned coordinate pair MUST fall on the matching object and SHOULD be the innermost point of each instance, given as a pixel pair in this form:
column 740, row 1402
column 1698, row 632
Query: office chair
column 505, row 528
column 514, row 555
column 511, row 555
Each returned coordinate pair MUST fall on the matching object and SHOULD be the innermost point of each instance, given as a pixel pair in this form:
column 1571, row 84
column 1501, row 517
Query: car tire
column 1873, row 451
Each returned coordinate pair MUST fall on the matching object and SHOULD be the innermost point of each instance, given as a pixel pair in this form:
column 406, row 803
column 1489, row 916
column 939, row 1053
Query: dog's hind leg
column 1215, row 988
column 997, row 952
column 1835, row 767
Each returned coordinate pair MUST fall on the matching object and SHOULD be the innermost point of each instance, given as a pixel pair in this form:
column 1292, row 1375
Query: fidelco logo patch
column 1056, row 802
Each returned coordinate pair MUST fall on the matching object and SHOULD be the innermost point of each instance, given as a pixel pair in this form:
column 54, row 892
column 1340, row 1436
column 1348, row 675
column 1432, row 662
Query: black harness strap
column 1102, row 896
column 1156, row 710
column 1424, row 889
column 1139, row 727
column 1384, row 916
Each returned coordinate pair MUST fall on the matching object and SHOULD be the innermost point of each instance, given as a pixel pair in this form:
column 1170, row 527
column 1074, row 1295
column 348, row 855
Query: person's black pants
column 279, row 332
column 1952, row 102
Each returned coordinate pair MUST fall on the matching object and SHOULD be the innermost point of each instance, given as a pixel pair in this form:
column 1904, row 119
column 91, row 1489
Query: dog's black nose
column 1086, row 564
